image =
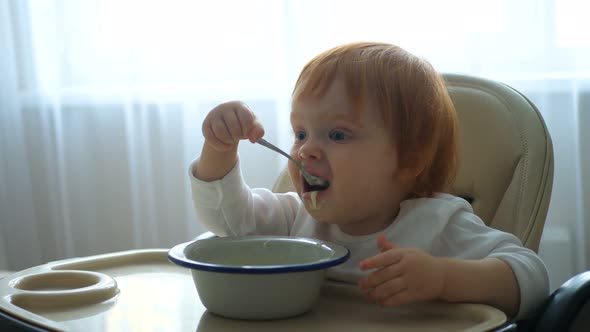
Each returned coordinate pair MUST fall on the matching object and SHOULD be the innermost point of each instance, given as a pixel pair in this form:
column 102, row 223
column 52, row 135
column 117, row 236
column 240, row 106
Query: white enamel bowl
column 258, row 277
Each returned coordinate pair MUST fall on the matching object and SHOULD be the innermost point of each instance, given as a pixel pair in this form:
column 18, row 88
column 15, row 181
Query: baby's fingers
column 234, row 126
column 252, row 129
column 217, row 134
column 383, row 244
column 383, row 259
column 381, row 276
column 230, row 122
column 387, row 290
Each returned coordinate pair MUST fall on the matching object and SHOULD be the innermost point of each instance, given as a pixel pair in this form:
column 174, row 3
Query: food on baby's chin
column 314, row 195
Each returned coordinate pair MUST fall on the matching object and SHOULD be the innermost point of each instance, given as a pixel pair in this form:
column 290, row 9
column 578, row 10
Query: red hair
column 411, row 96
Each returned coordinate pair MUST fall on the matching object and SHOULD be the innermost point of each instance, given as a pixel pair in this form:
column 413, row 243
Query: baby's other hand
column 230, row 122
column 402, row 275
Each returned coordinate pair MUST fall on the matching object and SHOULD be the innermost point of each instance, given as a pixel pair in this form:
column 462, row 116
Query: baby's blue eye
column 300, row 135
column 337, row 135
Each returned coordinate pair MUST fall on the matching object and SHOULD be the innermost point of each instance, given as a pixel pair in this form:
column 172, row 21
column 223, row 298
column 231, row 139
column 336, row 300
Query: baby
column 376, row 123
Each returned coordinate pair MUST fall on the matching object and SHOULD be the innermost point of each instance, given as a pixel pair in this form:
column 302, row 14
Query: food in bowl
column 258, row 277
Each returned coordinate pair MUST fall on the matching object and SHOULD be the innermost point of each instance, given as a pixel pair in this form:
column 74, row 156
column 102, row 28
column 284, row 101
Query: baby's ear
column 410, row 167
column 408, row 174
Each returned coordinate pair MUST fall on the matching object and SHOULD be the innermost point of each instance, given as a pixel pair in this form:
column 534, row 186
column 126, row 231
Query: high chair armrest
column 206, row 235
column 568, row 308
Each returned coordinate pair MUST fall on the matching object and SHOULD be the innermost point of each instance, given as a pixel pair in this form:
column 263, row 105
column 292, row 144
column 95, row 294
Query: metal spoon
column 311, row 179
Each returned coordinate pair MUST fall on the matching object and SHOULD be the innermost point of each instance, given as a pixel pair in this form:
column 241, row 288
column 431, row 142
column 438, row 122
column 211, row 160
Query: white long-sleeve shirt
column 444, row 226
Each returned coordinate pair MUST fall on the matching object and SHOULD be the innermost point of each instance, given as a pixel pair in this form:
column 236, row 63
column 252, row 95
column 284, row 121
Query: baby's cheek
column 294, row 175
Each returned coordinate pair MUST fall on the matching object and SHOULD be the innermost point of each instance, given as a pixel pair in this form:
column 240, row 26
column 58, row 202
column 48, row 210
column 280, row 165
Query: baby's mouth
column 313, row 191
column 307, row 187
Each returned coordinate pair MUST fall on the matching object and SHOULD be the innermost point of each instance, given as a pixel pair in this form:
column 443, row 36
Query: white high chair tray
column 141, row 290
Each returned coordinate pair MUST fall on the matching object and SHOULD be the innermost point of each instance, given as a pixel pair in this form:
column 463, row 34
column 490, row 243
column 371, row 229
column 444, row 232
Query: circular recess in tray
column 63, row 288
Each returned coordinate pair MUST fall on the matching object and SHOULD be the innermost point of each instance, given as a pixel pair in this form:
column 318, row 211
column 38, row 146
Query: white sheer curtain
column 101, row 103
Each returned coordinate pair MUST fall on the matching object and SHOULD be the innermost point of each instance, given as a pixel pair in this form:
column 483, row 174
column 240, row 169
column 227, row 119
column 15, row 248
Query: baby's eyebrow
column 333, row 114
column 294, row 115
column 341, row 116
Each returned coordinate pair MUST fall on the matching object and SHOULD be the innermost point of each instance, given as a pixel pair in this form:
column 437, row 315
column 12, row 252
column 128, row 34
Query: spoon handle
column 271, row 146
column 311, row 179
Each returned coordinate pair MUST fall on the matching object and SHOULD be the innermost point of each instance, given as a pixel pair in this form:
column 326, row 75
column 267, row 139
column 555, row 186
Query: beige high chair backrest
column 506, row 168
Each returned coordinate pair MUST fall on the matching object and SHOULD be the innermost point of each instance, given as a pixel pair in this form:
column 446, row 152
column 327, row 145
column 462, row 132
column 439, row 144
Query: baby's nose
column 310, row 151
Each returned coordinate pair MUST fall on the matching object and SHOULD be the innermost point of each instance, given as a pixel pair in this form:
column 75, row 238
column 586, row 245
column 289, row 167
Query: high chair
column 506, row 173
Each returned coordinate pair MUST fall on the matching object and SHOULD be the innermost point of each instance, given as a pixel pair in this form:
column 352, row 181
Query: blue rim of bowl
column 176, row 255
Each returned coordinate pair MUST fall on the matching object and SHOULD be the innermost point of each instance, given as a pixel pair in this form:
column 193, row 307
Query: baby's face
column 354, row 153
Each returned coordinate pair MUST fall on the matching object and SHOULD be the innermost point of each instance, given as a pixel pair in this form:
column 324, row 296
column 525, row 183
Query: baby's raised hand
column 230, row 122
column 402, row 275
